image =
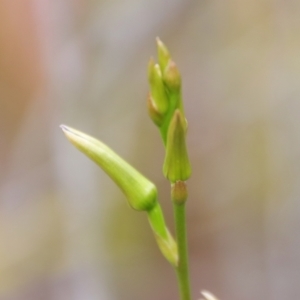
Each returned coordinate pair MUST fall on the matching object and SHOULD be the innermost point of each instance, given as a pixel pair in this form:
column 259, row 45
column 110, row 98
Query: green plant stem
column 182, row 270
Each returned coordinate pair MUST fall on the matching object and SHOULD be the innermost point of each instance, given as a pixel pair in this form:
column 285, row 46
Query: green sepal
column 164, row 239
column 153, row 112
column 141, row 193
column 176, row 164
column 172, row 77
column 208, row 296
column 157, row 87
column 163, row 54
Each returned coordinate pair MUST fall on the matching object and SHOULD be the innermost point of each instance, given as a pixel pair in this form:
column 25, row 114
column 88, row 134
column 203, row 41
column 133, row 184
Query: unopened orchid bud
column 163, row 54
column 141, row 193
column 153, row 112
column 208, row 296
column 157, row 87
column 171, row 77
column 177, row 165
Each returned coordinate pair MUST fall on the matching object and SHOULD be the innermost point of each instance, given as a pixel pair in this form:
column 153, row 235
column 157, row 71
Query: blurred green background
column 66, row 232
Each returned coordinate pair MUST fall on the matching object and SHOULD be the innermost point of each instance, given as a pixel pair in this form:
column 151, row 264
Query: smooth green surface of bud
column 163, row 54
column 157, row 87
column 172, row 77
column 177, row 165
column 141, row 193
column 179, row 192
column 153, row 112
column 164, row 239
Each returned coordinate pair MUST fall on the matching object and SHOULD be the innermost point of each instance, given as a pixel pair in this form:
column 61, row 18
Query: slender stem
column 182, row 269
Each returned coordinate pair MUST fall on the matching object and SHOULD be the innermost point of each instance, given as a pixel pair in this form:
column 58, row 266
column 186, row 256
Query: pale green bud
column 140, row 192
column 153, row 112
column 172, row 77
column 157, row 87
column 163, row 54
column 177, row 165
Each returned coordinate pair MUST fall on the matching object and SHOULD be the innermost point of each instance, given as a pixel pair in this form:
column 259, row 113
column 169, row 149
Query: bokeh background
column 66, row 232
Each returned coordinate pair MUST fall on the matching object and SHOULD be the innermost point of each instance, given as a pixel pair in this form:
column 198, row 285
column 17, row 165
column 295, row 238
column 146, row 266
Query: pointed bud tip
column 179, row 119
column 163, row 54
column 172, row 76
column 72, row 134
column 63, row 127
column 157, row 70
column 66, row 130
column 161, row 46
column 208, row 296
column 154, row 73
column 159, row 42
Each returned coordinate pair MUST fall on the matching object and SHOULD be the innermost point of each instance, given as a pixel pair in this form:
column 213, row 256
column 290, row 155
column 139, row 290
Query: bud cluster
column 165, row 108
column 165, row 89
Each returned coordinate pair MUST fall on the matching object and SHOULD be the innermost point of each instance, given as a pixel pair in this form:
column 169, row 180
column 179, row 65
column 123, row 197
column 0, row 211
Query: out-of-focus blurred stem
column 182, row 270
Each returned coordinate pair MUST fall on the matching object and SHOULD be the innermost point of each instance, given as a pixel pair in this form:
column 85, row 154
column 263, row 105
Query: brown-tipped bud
column 157, row 87
column 179, row 192
column 171, row 77
column 153, row 112
column 163, row 54
column 177, row 165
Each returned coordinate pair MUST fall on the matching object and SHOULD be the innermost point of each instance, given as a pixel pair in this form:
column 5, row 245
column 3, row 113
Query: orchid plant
column 165, row 108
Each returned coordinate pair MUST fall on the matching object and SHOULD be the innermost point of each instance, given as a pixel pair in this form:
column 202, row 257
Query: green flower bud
column 153, row 112
column 163, row 54
column 177, row 165
column 171, row 77
column 140, row 192
column 157, row 87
